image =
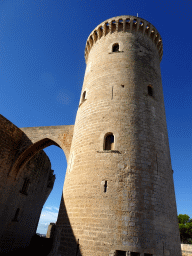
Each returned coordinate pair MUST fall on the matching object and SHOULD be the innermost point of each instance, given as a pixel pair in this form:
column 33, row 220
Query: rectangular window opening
column 120, row 253
column 25, row 186
column 105, row 186
column 135, row 254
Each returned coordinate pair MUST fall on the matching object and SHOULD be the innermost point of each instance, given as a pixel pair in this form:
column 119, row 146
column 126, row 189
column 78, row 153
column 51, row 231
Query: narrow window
column 16, row 215
column 25, row 186
column 135, row 254
column 105, row 186
column 83, row 96
column 150, row 90
column 115, row 48
column 109, row 142
column 120, row 253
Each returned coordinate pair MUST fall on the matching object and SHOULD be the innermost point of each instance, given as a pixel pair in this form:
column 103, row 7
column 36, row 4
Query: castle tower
column 119, row 191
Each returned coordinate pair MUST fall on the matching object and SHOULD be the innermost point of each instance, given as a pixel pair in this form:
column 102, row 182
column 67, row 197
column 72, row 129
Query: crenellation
column 127, row 25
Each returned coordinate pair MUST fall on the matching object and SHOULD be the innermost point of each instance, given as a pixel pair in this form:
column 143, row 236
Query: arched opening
column 109, row 142
column 115, row 47
column 30, row 172
column 49, row 212
column 54, row 209
column 50, row 209
column 29, row 153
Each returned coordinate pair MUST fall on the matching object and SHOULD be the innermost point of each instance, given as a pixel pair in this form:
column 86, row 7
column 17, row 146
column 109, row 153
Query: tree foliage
column 185, row 228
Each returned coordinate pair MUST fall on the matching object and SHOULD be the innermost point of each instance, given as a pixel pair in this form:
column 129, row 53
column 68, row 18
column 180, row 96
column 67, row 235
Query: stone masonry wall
column 186, row 249
column 121, row 199
column 61, row 135
column 16, row 231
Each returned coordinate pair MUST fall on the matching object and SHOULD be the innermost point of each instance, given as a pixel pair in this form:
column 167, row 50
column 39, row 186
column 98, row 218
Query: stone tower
column 118, row 196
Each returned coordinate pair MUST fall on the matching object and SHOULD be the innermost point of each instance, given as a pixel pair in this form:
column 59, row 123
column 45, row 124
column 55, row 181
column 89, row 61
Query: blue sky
column 42, row 68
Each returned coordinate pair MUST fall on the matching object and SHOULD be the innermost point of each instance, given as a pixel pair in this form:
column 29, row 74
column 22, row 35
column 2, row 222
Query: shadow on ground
column 39, row 246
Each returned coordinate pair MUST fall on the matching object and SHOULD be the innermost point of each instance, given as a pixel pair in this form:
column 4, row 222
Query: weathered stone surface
column 121, row 199
column 27, row 201
column 60, row 136
column 50, row 230
column 186, row 249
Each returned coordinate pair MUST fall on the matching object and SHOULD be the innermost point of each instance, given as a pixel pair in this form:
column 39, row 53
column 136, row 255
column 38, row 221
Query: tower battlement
column 124, row 23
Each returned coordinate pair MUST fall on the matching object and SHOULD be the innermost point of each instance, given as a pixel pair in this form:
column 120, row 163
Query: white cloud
column 57, row 209
column 49, row 208
column 47, row 216
column 52, row 208
column 42, row 229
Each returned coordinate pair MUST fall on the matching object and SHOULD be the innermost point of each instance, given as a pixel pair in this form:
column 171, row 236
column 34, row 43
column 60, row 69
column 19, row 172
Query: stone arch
column 28, row 154
column 42, row 137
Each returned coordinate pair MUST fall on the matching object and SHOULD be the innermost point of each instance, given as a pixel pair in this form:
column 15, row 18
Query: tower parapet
column 125, row 23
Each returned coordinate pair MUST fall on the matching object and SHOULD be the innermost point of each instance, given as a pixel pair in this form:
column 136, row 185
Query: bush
column 185, row 228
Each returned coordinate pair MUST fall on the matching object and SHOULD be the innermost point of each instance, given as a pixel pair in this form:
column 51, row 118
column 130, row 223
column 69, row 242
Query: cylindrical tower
column 119, row 191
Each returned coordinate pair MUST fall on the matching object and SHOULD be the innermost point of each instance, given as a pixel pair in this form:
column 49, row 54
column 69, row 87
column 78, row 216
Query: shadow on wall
column 29, row 153
column 39, row 246
column 64, row 240
column 22, row 193
column 26, row 182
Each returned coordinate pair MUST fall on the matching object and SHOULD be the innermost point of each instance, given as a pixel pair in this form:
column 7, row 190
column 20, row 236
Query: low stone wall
column 186, row 249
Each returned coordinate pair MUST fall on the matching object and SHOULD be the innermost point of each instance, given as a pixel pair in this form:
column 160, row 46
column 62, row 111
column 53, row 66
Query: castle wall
column 136, row 211
column 16, row 231
column 61, row 134
column 186, row 249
